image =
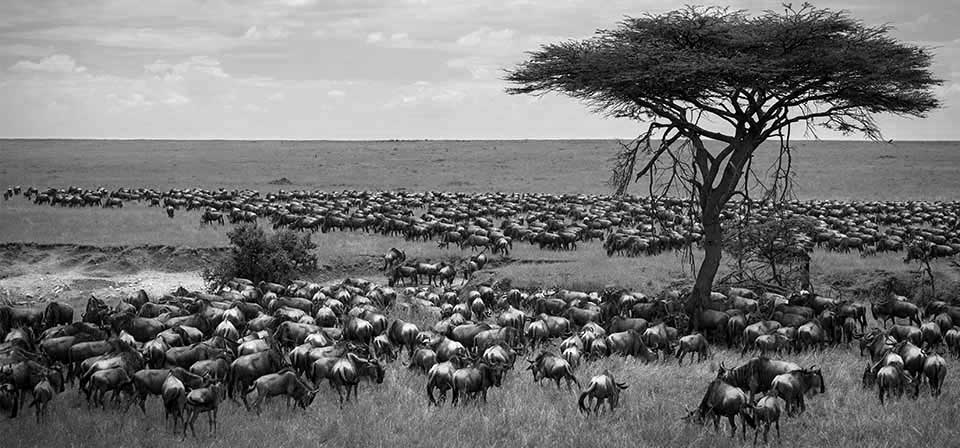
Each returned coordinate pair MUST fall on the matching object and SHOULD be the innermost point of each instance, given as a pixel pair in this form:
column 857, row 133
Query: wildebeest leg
column 733, row 425
column 596, row 408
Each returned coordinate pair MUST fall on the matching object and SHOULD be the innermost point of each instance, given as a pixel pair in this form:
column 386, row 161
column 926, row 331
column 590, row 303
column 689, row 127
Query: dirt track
column 38, row 272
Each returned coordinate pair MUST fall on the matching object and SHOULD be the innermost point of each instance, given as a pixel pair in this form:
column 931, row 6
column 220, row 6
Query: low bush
column 255, row 255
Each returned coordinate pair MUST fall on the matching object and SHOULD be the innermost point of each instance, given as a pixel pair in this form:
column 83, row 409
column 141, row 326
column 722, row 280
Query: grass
column 824, row 169
column 524, row 414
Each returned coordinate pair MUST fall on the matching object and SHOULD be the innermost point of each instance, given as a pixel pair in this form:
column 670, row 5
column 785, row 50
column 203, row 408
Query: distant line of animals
column 627, row 226
column 195, row 350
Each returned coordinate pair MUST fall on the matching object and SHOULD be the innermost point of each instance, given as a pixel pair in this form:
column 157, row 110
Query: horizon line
column 502, row 139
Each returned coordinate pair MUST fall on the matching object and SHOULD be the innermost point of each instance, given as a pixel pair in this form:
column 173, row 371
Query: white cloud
column 276, row 96
column 336, row 93
column 374, row 37
column 57, row 63
column 176, row 99
column 486, row 37
column 269, row 32
column 194, row 66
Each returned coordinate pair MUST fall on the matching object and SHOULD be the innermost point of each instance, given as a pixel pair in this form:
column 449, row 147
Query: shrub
column 278, row 257
column 773, row 250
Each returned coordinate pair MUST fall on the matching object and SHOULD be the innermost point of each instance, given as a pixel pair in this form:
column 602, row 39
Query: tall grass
column 523, row 414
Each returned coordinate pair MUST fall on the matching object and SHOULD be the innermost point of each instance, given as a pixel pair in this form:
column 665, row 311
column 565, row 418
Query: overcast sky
column 343, row 69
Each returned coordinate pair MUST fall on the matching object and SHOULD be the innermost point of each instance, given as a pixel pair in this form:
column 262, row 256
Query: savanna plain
column 66, row 254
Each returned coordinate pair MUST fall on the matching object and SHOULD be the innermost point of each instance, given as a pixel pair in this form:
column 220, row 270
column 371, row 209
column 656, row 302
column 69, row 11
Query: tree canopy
column 714, row 73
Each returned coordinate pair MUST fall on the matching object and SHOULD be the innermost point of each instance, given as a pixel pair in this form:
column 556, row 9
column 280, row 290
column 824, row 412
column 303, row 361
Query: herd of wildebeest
column 629, row 225
column 197, row 351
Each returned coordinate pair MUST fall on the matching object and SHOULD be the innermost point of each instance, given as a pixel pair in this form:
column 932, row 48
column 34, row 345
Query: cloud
column 57, row 63
column 203, row 66
column 486, row 37
column 374, row 37
column 267, row 33
column 336, row 93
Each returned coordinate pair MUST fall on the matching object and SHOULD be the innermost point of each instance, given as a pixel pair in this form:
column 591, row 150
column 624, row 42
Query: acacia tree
column 703, row 74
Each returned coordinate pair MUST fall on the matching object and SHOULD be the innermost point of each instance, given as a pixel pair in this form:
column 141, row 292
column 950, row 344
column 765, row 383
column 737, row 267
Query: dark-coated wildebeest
column 283, row 383
column 767, row 411
column 469, row 382
column 150, row 382
column 935, row 369
column 114, row 380
column 403, row 272
column 894, row 308
column 422, row 359
column 43, row 394
column 793, row 385
column 204, row 400
column 692, row 343
column 440, row 377
column 174, row 395
column 550, row 366
column 404, row 334
column 891, row 378
column 57, row 313
column 246, row 369
column 756, row 375
column 9, row 400
column 630, row 343
column 394, row 256
column 600, row 388
column 348, row 371
column 723, row 400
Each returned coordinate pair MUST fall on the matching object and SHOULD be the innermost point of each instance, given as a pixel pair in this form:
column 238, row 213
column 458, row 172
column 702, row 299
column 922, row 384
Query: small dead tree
column 771, row 251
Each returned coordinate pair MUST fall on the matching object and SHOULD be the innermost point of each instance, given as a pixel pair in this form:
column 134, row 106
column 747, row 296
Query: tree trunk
column 712, row 248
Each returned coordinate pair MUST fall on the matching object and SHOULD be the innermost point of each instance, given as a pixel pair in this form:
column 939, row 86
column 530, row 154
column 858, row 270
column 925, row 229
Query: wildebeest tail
column 583, row 396
column 570, row 375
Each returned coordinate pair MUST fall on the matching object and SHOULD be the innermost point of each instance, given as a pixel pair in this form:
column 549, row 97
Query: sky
column 346, row 69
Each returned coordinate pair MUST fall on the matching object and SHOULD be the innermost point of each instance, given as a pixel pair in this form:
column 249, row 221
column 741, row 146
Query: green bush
column 278, row 257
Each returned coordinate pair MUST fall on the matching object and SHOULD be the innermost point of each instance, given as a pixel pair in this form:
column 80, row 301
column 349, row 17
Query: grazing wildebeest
column 348, row 371
column 285, row 382
column 43, row 393
column 601, row 388
column 723, row 400
column 756, row 375
column 692, row 343
column 935, row 369
column 792, row 386
column 550, row 366
column 890, row 378
column 469, row 382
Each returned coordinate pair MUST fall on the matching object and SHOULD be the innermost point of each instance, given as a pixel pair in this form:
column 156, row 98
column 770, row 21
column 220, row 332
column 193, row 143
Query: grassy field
column 523, row 414
column 824, row 169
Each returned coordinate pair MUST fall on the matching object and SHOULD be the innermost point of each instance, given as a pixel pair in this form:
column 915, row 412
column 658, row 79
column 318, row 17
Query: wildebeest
column 692, row 343
column 116, row 380
column 600, row 388
column 348, row 371
column 766, row 411
column 283, row 383
column 469, row 382
column 756, row 375
column 935, row 369
column 550, row 366
column 395, row 256
column 891, row 378
column 440, row 377
column 202, row 400
column 793, row 385
column 174, row 395
column 895, row 307
column 723, row 400
column 43, row 394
